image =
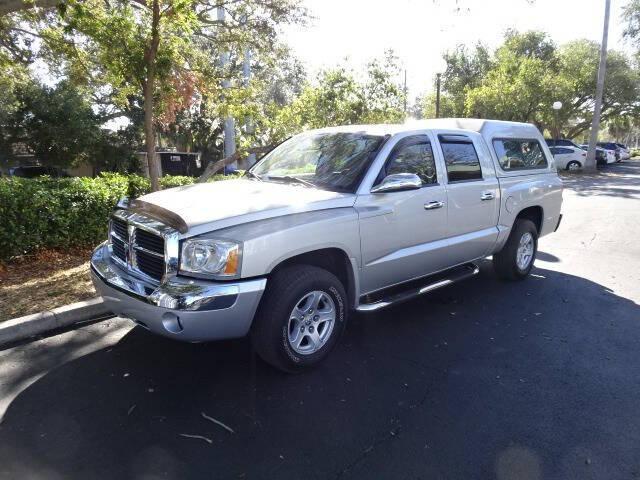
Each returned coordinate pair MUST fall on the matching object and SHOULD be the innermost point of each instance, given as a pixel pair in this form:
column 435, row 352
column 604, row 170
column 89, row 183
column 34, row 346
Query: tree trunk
column 590, row 163
column 149, row 130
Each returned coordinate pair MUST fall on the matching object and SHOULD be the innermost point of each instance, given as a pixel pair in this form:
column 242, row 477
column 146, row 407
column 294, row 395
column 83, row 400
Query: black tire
column 505, row 261
column 573, row 162
column 269, row 333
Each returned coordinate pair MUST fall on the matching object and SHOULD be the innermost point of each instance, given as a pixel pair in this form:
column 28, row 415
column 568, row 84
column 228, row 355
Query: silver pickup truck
column 331, row 221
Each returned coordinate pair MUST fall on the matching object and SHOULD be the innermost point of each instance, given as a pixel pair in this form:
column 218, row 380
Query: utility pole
column 229, row 124
column 438, row 75
column 405, row 93
column 590, row 164
column 248, row 124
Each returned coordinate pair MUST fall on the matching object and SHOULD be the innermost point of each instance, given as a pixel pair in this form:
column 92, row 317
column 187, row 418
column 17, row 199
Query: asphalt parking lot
column 484, row 379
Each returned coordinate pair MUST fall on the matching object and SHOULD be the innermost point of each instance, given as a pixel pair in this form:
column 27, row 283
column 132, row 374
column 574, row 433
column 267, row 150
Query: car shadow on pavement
column 616, row 180
column 547, row 257
column 484, row 379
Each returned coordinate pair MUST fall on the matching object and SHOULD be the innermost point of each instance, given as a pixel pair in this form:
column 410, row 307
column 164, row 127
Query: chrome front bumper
column 185, row 309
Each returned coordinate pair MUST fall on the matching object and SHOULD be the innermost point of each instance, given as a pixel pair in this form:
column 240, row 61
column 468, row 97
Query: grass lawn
column 44, row 280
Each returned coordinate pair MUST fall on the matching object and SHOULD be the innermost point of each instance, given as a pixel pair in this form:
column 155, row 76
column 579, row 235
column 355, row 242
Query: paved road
column 538, row 379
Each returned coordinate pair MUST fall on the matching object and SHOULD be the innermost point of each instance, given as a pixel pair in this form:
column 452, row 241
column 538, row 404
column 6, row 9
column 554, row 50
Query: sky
column 420, row 30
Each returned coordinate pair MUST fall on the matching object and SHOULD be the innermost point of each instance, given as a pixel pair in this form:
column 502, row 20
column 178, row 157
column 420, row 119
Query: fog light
column 171, row 322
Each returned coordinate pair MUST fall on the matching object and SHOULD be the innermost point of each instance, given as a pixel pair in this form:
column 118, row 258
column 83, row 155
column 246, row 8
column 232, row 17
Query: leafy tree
column 384, row 95
column 465, row 70
column 631, row 13
column 426, row 106
column 576, row 85
column 526, row 74
column 160, row 51
column 57, row 123
column 340, row 97
column 277, row 79
column 520, row 82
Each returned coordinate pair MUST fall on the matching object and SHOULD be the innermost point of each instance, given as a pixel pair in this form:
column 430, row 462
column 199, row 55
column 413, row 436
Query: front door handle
column 433, row 205
column 487, row 195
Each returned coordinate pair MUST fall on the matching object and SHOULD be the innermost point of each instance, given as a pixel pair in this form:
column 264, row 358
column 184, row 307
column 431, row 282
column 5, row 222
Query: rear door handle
column 433, row 205
column 487, row 195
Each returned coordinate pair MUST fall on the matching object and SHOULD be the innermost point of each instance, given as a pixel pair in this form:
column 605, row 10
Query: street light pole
column 556, row 110
column 438, row 75
column 590, row 164
column 229, row 123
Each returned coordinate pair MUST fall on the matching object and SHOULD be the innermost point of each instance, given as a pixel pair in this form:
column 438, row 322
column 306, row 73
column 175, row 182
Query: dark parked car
column 34, row 171
column 610, row 146
column 601, row 154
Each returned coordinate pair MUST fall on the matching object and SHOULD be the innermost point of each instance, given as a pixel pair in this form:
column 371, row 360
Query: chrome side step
column 437, row 281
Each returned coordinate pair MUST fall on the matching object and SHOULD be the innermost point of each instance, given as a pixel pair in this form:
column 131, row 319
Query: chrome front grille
column 119, row 228
column 148, row 253
column 149, row 241
column 143, row 245
column 119, row 249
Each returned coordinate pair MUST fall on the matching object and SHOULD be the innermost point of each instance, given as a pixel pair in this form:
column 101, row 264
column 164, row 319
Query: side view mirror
column 398, row 182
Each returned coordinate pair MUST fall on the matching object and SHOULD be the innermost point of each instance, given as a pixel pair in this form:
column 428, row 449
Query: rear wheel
column 573, row 165
column 515, row 260
column 300, row 319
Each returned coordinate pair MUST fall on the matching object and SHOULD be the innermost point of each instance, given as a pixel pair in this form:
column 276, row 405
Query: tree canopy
column 168, row 72
column 524, row 76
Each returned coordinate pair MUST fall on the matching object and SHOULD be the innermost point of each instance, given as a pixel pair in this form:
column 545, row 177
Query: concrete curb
column 28, row 326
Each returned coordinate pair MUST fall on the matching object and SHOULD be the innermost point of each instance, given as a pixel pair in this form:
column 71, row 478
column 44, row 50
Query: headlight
column 219, row 258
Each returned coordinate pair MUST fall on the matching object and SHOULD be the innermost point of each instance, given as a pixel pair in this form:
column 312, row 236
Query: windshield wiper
column 250, row 174
column 289, row 179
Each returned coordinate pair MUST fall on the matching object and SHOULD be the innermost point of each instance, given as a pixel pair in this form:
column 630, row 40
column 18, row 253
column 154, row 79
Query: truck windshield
column 331, row 161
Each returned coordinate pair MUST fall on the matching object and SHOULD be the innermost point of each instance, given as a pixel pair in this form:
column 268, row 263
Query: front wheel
column 300, row 319
column 515, row 260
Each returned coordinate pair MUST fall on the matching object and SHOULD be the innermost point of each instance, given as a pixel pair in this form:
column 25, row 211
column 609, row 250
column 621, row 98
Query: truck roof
column 488, row 128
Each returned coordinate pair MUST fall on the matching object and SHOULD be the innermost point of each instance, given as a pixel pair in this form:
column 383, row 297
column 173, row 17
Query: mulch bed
column 44, row 280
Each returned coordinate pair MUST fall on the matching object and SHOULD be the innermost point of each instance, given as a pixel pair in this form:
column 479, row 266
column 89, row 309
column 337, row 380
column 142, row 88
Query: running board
column 437, row 281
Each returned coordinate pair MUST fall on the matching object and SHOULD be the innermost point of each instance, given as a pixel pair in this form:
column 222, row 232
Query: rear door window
column 461, row 158
column 519, row 154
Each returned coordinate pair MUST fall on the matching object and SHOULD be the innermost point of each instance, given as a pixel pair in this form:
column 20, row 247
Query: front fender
column 268, row 243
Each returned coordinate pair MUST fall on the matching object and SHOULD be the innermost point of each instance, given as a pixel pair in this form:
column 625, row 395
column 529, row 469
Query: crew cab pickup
column 354, row 218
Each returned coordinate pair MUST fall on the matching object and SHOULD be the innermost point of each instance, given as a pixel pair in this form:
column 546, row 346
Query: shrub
column 65, row 212
column 635, row 152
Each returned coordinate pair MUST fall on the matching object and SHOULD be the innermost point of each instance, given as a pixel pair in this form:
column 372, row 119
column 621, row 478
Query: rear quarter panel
column 521, row 189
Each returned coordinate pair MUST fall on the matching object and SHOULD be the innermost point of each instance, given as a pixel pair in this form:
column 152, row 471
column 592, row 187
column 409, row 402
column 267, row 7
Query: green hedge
column 66, row 212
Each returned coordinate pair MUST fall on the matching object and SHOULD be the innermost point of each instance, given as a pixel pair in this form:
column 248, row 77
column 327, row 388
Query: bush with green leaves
column 65, row 212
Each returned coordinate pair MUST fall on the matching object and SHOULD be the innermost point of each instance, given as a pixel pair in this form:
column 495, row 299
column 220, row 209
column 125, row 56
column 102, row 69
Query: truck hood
column 211, row 206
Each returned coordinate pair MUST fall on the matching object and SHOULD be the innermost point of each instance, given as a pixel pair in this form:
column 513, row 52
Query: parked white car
column 625, row 153
column 568, row 158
